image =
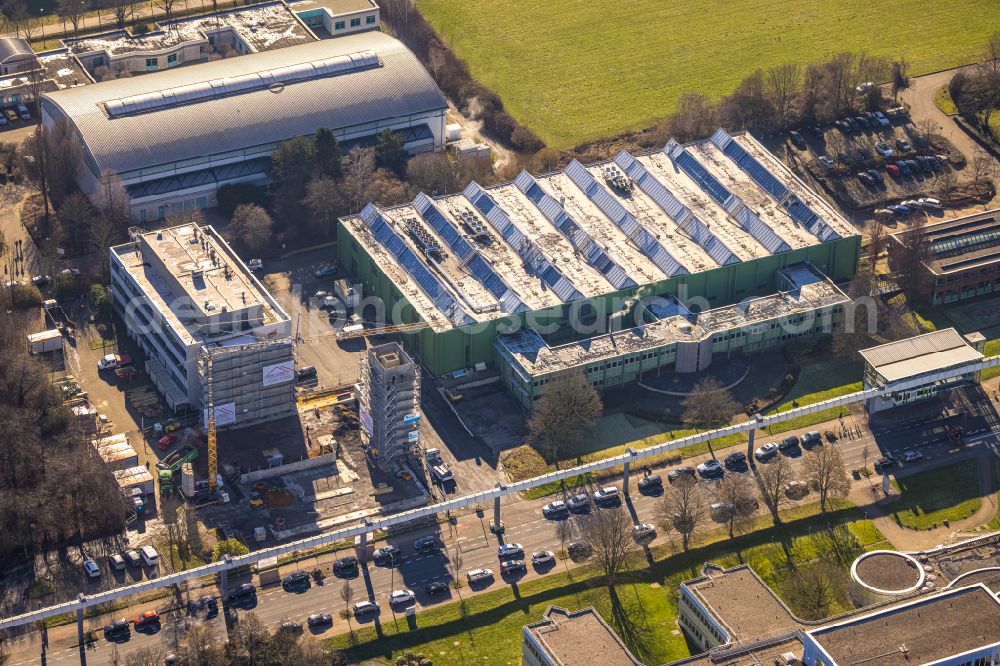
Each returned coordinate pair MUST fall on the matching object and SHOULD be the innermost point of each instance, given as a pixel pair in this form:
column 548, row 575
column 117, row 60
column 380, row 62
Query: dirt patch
column 886, row 571
column 523, row 463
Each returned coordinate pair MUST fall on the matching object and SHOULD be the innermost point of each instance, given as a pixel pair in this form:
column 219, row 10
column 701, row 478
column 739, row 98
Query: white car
column 766, row 451
column 91, row 569
column 364, row 608
column 606, row 494
column 255, row 264
column 479, row 575
column 403, row 596
column 928, row 202
column 864, row 87
column 709, row 468
column 911, row 456
column 109, row 362
column 643, row 532
column 543, row 557
column 325, row 271
column 510, row 551
column 555, row 508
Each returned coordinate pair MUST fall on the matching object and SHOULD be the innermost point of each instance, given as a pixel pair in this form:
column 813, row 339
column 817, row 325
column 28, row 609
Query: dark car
column 904, row 167
column 386, row 554
column 736, row 459
column 788, row 443
column 512, row 566
column 319, row 620
column 886, row 463
column 117, row 629
column 345, row 564
column 206, row 602
column 291, row 627
column 864, row 153
column 650, row 484
column 817, row 131
column 295, row 579
column 242, row 592
column 862, row 122
column 876, row 174
column 305, row 372
column 842, row 125
column 865, row 178
column 797, row 140
column 579, row 549
column 426, row 543
column 675, row 474
column 435, row 588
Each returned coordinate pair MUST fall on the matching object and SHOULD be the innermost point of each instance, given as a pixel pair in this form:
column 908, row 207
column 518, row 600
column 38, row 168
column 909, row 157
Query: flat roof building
column 958, row 626
column 693, row 228
column 338, row 17
column 182, row 293
column 580, row 638
column 173, row 137
column 912, row 358
column 963, row 256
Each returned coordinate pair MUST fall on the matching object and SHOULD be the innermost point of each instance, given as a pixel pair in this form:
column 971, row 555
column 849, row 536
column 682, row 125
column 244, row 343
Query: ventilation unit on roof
column 616, row 179
column 423, row 238
column 474, row 225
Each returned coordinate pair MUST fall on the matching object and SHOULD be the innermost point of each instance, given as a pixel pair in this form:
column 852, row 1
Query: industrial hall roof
column 921, row 354
column 192, row 113
column 13, row 46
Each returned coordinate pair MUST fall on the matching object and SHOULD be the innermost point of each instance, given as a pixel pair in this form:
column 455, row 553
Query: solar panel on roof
column 675, row 210
column 616, row 212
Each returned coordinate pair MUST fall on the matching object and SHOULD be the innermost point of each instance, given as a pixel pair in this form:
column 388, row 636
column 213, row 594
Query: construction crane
column 368, row 332
column 213, row 454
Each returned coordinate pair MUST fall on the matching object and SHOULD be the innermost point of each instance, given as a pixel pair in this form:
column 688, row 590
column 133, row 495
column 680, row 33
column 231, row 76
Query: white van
column 150, row 556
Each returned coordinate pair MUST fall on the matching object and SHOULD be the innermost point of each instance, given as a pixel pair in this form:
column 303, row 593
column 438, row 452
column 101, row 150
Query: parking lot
column 876, row 161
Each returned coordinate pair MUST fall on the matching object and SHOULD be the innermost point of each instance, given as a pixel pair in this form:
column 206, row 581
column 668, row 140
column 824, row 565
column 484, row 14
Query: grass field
column 929, row 498
column 577, row 70
column 817, row 382
column 486, row 629
column 942, row 97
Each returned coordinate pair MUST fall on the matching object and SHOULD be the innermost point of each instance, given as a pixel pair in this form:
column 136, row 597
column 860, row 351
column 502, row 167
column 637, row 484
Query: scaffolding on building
column 389, row 401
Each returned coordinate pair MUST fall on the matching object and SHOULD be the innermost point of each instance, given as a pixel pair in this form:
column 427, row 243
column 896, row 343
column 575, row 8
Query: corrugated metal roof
column 13, row 46
column 920, row 354
column 400, row 87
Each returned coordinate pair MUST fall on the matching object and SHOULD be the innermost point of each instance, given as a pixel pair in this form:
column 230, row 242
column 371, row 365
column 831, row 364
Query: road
column 469, row 536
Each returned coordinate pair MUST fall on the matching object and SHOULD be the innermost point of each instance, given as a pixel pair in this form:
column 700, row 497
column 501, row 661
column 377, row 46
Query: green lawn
column 929, row 498
column 817, row 382
column 578, row 70
column 486, row 629
column 942, row 97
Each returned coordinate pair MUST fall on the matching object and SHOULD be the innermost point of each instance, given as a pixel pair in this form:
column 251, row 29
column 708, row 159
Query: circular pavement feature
column 888, row 572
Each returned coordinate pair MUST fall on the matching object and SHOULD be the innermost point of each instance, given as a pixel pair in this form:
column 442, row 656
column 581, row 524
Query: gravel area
column 888, row 572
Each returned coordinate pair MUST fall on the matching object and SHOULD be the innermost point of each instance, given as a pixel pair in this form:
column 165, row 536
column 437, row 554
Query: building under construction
column 184, row 294
column 388, row 402
column 531, row 277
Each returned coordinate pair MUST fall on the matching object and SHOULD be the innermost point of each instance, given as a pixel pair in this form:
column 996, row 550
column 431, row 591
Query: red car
column 892, row 168
column 146, row 619
column 167, row 441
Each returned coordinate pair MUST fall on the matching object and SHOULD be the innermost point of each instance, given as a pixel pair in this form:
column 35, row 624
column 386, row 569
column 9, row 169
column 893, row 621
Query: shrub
column 140, row 29
column 25, row 296
column 525, row 140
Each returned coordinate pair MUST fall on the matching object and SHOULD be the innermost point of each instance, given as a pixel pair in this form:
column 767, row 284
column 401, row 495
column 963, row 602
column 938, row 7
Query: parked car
column 386, row 553
column 166, row 441
column 325, row 271
column 675, row 474
column 811, row 438
column 900, row 210
column 923, row 163
column 710, row 468
column 862, row 122
column 904, row 145
column 91, row 569
column 789, row 443
column 911, row 456
column 885, row 463
column 510, row 550
column 876, row 175
column 893, row 169
column 255, row 265
column 206, row 602
column 579, row 502
column 117, row 629
column 11, row 114
column 882, row 119
column 133, row 559
column 345, row 564
column 579, row 549
column 147, row 619
column 864, row 153
column 903, row 167
column 882, row 149
column 436, row 587
column 40, row 280
column 865, row 178
column 117, row 562
column 295, row 579
column 555, row 509
column 3, row 120
column 796, row 489
column 508, row 567
column 365, row 608
column 319, row 620
column 797, row 140
column 864, row 87
column 479, row 575
column 737, row 460
column 643, row 533
column 818, row 132
column 606, row 495
column 22, row 110
column 842, row 125
column 827, row 162
column 243, row 591
column 426, row 543
column 650, row 484
column 543, row 557
column 766, row 452
column 720, row 511
column 402, row 596
column 305, row 372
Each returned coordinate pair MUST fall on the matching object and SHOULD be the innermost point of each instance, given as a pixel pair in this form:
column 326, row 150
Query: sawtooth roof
column 399, row 86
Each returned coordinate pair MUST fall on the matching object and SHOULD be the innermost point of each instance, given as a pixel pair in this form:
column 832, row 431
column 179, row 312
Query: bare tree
column 74, row 11
column 564, row 532
column 168, row 9
column 816, row 587
column 16, row 13
column 826, row 472
column 774, row 478
column 145, row 656
column 991, row 54
column 694, row 118
column 682, row 508
column 709, row 405
column 347, row 595
column 253, row 226
column 113, row 201
column 201, row 647
column 359, row 170
column 877, row 241
column 980, row 169
column 563, row 415
column 609, row 533
column 250, row 639
column 735, row 494
column 456, row 570
column 782, row 84
column 900, row 76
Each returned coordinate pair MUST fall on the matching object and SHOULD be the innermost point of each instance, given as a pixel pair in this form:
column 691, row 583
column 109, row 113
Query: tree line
column 976, row 91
